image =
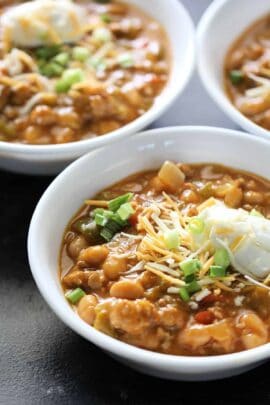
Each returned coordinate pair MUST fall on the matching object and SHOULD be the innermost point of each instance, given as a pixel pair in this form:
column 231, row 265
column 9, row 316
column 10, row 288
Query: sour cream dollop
column 245, row 237
column 43, row 22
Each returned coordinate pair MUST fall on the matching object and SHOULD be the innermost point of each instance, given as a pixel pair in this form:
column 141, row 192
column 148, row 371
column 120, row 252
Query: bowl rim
column 191, row 364
column 160, row 105
column 218, row 94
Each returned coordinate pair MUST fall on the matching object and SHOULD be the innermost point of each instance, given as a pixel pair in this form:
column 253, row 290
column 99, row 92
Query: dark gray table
column 41, row 360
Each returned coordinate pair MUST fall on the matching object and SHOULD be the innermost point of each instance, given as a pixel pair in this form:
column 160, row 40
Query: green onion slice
column 190, row 277
column 100, row 219
column 80, row 53
column 116, row 203
column 193, row 287
column 125, row 211
column 51, row 69
column 222, row 258
column 62, row 59
column 171, row 239
column 107, row 234
column 62, row 86
column 70, row 77
column 236, row 76
column 190, row 266
column 73, row 76
column 217, row 271
column 101, row 216
column 74, row 296
column 184, row 294
column 196, row 225
column 105, row 18
column 112, row 227
column 47, row 52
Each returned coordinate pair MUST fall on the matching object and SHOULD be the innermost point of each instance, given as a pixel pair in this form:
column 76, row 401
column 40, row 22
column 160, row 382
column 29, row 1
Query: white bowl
column 222, row 23
column 51, row 159
column 105, row 166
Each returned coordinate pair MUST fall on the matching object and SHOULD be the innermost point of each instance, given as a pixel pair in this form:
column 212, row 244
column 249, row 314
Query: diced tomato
column 211, row 298
column 205, row 317
column 133, row 219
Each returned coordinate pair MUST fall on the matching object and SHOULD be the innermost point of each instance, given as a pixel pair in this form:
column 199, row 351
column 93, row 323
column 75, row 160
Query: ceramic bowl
column 222, row 23
column 101, row 168
column 50, row 159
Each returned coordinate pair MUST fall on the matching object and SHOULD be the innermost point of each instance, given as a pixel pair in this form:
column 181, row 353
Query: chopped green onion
column 89, row 229
column 222, row 258
column 116, row 203
column 125, row 60
column 97, row 63
column 171, row 239
column 41, row 63
column 217, row 271
column 256, row 213
column 183, row 292
column 112, row 227
column 190, row 277
column 112, row 222
column 74, row 296
column 47, row 52
column 190, row 266
column 73, row 76
column 70, row 77
column 102, row 35
column 125, row 211
column 62, row 86
column 101, row 216
column 106, row 234
column 100, row 219
column 196, row 225
column 105, row 18
column 236, row 76
column 80, row 53
column 116, row 218
column 99, row 211
column 51, row 69
column 62, row 59
column 103, row 212
column 193, row 287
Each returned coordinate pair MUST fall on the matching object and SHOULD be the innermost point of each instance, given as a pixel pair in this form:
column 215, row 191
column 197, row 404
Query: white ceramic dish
column 222, row 23
column 103, row 167
column 52, row 158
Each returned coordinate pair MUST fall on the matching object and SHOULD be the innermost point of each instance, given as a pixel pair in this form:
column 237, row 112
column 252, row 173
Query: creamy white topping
column 245, row 237
column 43, row 22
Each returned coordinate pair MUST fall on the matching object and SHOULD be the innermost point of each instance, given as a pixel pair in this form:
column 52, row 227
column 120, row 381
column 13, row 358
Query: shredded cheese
column 206, row 266
column 165, row 277
column 164, row 269
column 97, row 203
column 162, row 215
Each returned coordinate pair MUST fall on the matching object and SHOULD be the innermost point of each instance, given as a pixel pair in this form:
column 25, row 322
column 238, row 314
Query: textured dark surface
column 43, row 362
